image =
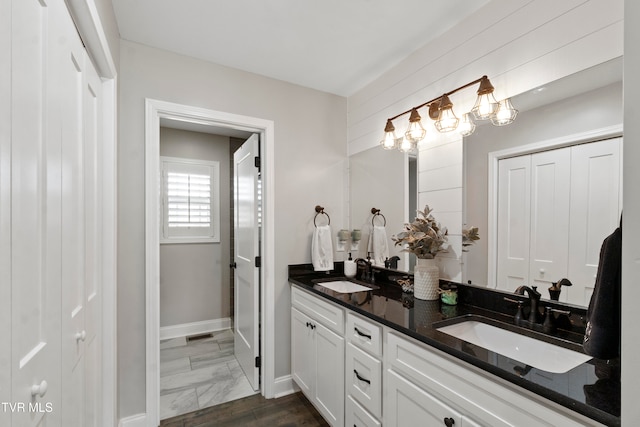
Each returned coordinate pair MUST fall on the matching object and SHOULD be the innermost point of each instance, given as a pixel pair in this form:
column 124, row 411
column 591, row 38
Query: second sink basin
column 530, row 351
column 344, row 286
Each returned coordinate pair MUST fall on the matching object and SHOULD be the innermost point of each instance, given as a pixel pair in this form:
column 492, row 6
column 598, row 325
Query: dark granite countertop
column 591, row 389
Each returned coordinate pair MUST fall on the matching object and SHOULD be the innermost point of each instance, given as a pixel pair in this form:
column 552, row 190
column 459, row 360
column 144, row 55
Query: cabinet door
column 550, row 192
column 302, row 352
column 406, row 405
column 514, row 211
column 329, row 390
column 595, row 211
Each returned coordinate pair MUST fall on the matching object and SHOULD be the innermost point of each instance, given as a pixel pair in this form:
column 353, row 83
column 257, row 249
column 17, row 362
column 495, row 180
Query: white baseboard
column 195, row 328
column 139, row 420
column 284, row 386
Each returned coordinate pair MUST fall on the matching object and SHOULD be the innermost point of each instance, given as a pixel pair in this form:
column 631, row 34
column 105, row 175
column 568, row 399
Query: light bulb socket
column 485, row 86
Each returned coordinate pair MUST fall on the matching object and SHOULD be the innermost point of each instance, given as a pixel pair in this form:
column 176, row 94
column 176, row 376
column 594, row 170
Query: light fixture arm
column 484, row 80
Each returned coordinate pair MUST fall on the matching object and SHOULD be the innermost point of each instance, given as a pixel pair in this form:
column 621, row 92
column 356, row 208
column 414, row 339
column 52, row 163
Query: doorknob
column 39, row 390
column 81, row 336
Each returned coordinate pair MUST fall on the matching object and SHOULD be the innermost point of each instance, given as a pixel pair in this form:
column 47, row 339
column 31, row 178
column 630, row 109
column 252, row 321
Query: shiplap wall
column 520, row 45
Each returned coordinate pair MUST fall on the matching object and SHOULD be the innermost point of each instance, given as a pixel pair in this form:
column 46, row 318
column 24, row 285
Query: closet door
column 34, row 214
column 596, row 195
column 514, row 211
column 550, row 193
column 81, row 239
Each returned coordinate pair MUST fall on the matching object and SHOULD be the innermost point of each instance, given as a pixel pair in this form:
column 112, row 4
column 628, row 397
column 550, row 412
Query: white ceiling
column 336, row 46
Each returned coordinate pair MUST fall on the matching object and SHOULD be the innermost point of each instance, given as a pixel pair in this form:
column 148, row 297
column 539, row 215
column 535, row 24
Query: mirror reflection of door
column 554, row 210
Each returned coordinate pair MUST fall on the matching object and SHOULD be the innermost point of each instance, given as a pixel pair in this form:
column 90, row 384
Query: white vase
column 426, row 279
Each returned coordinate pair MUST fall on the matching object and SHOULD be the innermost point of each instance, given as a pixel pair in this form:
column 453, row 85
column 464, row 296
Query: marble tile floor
column 199, row 374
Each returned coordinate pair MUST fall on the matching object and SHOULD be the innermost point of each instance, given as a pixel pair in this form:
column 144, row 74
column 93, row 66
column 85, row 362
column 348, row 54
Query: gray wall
column 194, row 278
column 310, row 168
column 592, row 110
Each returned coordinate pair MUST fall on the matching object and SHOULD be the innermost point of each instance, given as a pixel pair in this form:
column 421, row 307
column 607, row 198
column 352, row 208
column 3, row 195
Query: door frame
column 154, row 111
column 492, row 199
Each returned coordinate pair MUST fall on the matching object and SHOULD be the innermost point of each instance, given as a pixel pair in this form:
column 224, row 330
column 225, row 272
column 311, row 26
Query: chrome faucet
column 534, row 299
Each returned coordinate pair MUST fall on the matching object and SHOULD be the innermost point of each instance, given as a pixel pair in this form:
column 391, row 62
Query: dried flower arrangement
column 424, row 237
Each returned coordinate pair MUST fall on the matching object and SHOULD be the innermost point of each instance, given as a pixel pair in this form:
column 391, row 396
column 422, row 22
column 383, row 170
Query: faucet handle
column 517, row 318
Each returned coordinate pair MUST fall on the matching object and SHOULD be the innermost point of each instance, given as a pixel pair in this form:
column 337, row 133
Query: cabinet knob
column 542, row 271
column 39, row 389
column 81, row 336
column 449, row 422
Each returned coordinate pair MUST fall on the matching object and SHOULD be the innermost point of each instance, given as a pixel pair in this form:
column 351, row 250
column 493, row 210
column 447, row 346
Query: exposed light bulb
column 486, row 104
column 389, row 140
column 467, row 126
column 416, row 132
column 447, row 120
column 407, row 145
column 505, row 114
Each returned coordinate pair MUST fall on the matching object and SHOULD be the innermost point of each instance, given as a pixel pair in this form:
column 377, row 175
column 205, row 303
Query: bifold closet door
column 35, row 217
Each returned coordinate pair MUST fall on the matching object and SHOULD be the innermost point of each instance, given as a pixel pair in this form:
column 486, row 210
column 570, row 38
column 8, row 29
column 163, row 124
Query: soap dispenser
column 350, row 267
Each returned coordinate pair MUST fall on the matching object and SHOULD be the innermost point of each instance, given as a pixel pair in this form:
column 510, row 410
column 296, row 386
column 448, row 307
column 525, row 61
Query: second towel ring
column 320, row 210
column 376, row 212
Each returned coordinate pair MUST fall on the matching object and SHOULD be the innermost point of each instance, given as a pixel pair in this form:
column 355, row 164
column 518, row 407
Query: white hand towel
column 322, row 249
column 378, row 245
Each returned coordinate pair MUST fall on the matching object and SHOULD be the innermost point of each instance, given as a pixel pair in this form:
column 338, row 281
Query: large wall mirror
column 573, row 111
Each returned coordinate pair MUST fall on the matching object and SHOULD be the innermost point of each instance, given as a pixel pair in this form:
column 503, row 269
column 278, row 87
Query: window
column 190, row 201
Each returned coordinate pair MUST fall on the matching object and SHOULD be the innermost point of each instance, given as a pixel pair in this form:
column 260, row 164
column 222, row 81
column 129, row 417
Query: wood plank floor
column 254, row 411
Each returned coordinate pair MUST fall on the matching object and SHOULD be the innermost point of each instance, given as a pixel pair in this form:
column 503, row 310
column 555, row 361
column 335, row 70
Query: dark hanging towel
column 602, row 335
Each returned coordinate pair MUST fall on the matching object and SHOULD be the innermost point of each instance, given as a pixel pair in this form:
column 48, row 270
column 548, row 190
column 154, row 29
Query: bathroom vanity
column 377, row 357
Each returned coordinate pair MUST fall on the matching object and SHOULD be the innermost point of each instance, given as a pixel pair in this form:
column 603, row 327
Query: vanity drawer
column 365, row 334
column 356, row 415
column 364, row 379
column 330, row 315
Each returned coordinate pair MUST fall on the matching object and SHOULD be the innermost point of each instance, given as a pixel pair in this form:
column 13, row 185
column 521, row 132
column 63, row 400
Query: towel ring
column 376, row 212
column 320, row 210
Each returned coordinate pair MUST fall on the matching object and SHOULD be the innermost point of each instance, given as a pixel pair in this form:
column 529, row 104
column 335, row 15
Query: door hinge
column 258, row 362
column 258, row 262
column 256, row 161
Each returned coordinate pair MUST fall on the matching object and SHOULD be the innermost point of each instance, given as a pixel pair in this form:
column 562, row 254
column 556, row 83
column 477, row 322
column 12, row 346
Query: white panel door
column 247, row 274
column 514, row 211
column 35, row 216
column 595, row 211
column 91, row 334
column 73, row 238
column 550, row 192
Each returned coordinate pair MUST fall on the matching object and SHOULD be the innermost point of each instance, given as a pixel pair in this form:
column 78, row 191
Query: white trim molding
column 154, row 111
column 284, row 386
column 194, row 328
column 492, row 199
column 138, row 420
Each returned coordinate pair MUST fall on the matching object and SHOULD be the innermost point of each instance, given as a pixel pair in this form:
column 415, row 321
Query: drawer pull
column 449, row 422
column 362, row 334
column 311, row 325
column 364, row 380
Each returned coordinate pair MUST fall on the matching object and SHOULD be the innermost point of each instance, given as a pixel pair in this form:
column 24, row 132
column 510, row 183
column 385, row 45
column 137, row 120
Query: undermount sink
column 344, row 286
column 530, row 351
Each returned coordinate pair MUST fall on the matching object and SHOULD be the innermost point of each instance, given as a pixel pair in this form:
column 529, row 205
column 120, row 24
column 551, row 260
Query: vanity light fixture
column 415, row 132
column 467, row 126
column 505, row 115
column 441, row 110
column 447, row 120
column 389, row 142
column 486, row 104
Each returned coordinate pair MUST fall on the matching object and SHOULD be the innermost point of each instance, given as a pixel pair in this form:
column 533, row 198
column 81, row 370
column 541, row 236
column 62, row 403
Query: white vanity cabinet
column 425, row 383
column 317, row 353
